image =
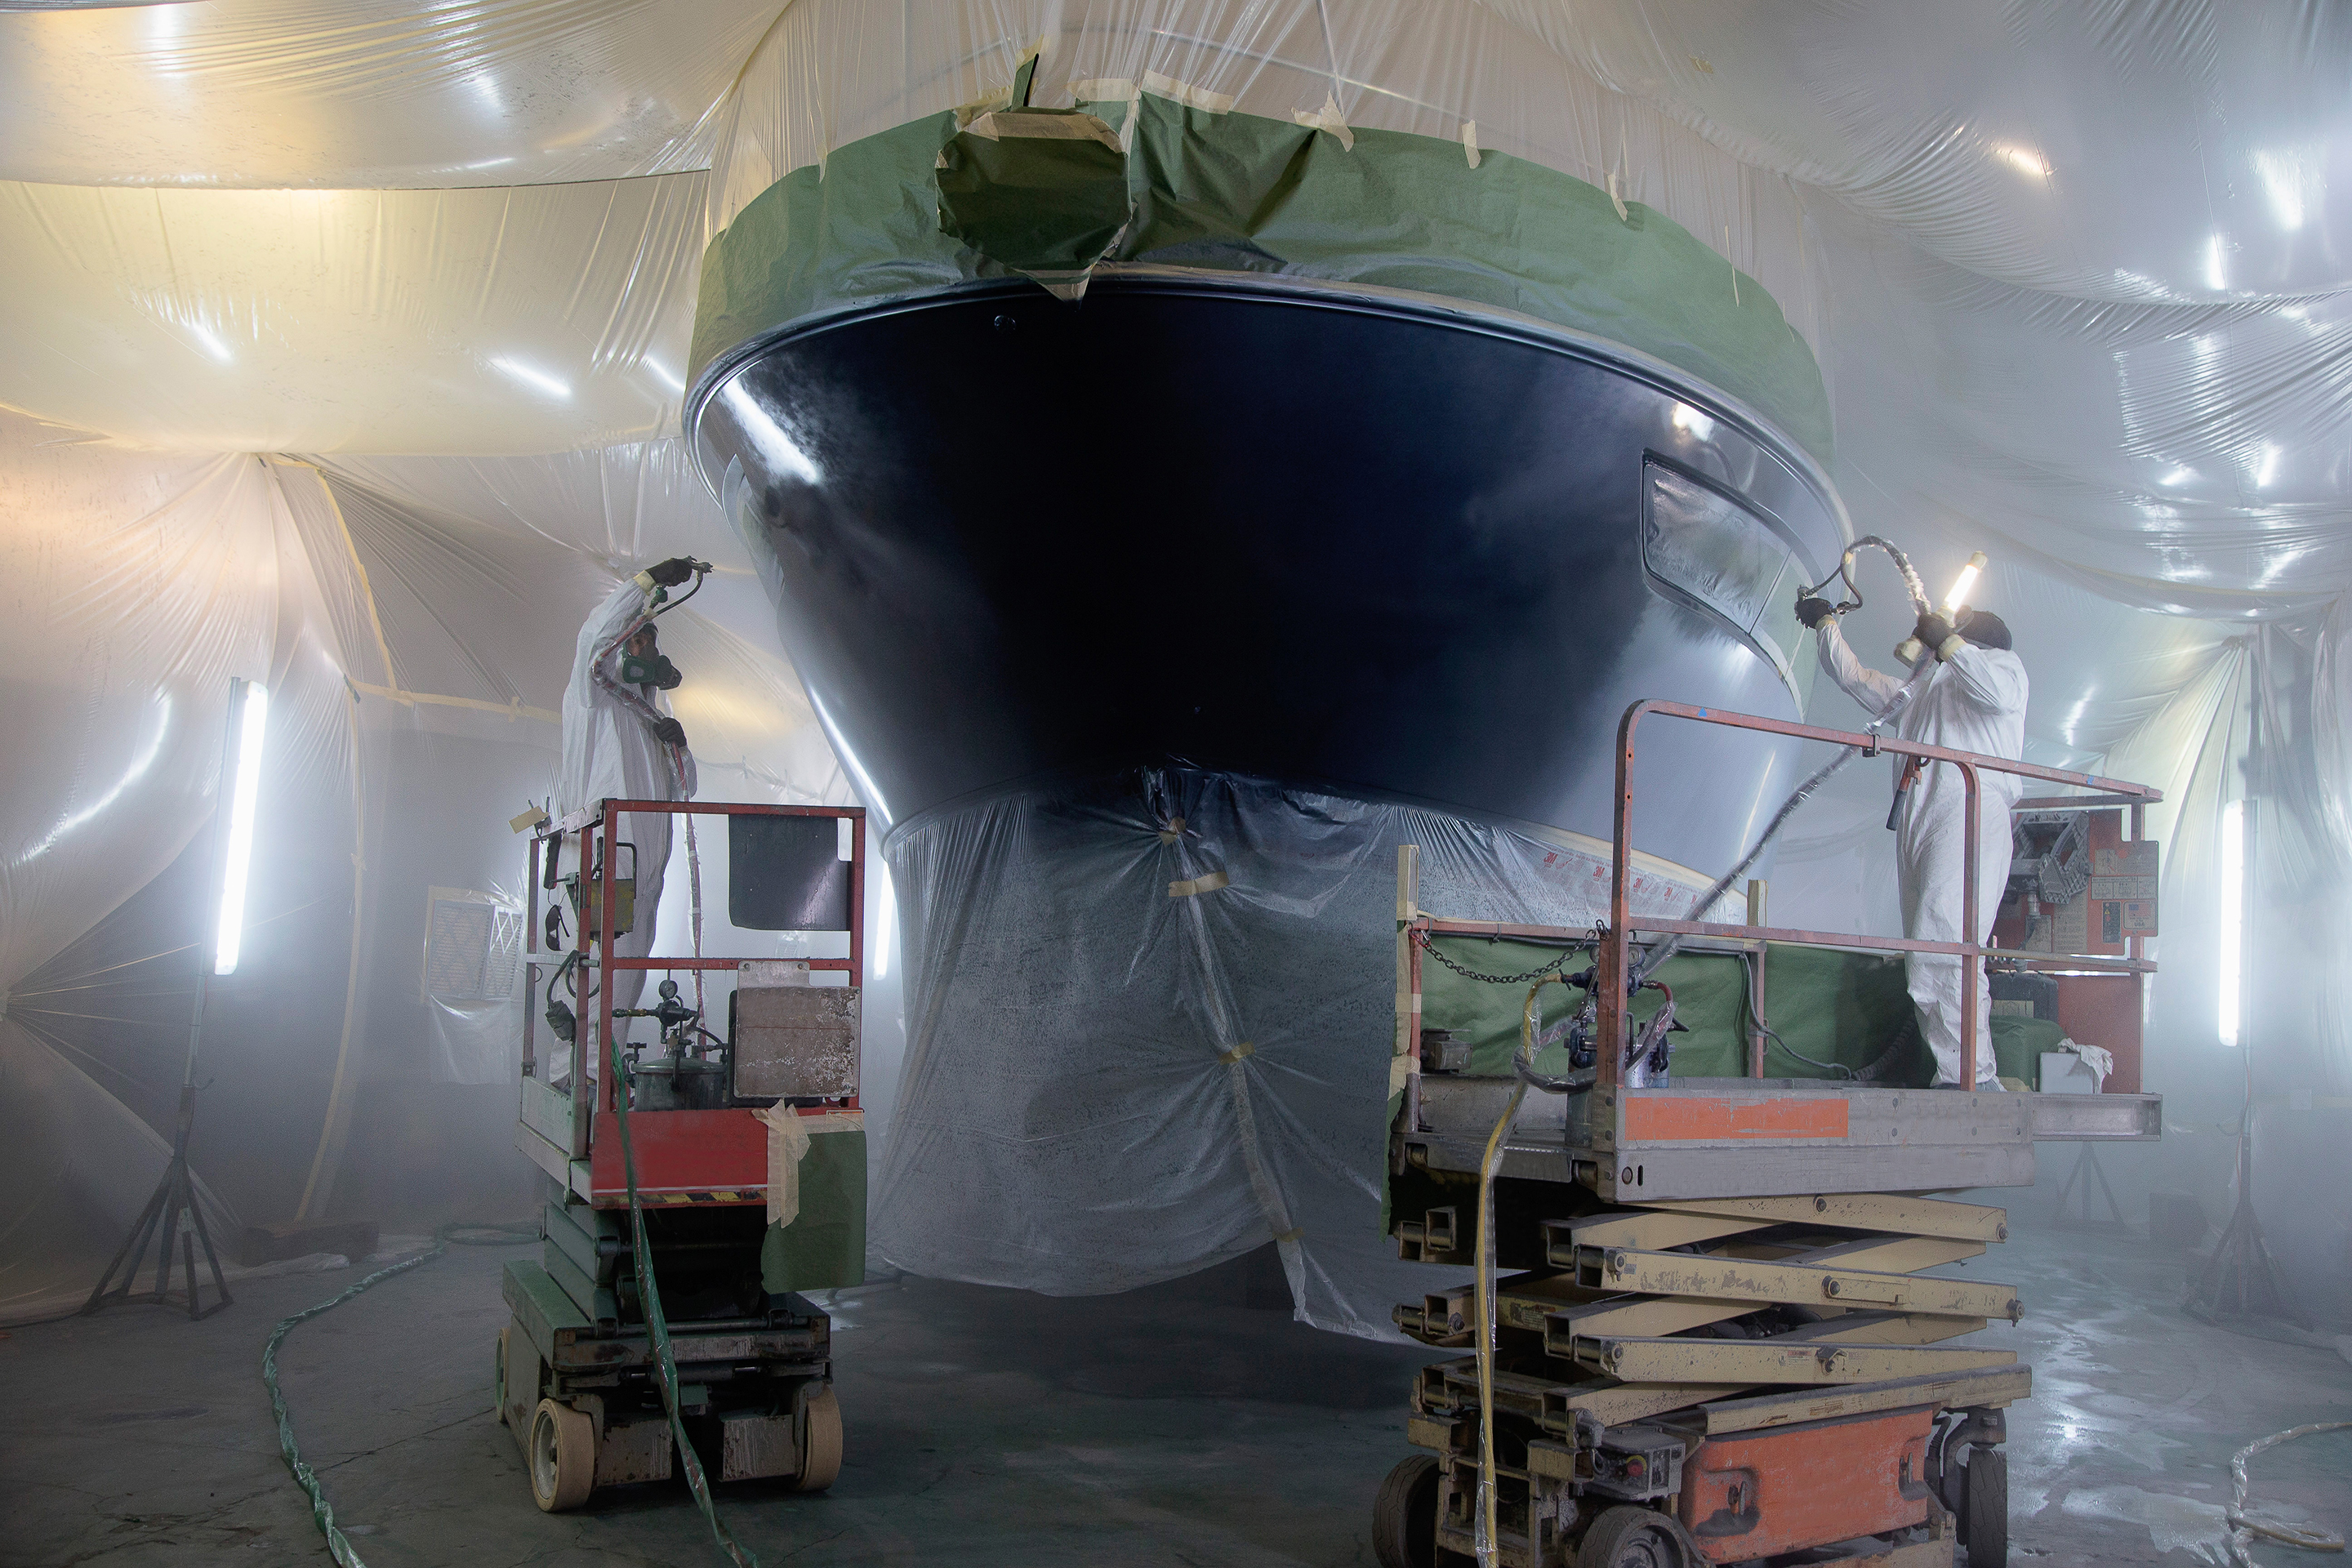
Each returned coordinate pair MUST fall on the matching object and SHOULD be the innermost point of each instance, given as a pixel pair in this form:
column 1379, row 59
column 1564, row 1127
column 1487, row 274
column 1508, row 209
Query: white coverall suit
column 1975, row 702
column 610, row 753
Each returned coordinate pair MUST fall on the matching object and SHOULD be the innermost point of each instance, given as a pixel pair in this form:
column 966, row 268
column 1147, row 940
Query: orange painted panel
column 1667, row 1117
column 1762, row 1494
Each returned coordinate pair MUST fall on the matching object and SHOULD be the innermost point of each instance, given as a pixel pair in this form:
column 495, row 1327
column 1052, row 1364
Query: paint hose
column 1822, row 775
column 1483, row 1302
column 322, row 1513
column 658, row 1328
column 1802, row 792
column 2244, row 1526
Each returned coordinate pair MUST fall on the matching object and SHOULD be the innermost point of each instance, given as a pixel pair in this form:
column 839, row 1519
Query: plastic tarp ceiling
column 296, row 94
column 2072, row 275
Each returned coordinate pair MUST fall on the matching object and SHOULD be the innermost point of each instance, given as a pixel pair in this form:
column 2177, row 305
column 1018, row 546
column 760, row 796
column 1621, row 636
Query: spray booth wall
column 2072, row 279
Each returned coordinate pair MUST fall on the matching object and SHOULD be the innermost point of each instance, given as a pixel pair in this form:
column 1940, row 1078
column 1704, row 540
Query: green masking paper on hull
column 926, row 206
column 824, row 1248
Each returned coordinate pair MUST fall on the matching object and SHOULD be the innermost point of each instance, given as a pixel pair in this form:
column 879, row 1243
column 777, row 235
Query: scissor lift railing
column 742, row 1370
column 1645, row 1217
column 568, row 1119
column 1616, row 944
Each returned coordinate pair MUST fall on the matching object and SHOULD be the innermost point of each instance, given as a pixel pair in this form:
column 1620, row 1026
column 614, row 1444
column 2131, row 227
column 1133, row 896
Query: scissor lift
column 1713, row 1341
column 578, row 1380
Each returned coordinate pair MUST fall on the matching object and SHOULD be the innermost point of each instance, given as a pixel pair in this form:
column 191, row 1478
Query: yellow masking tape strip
column 1208, row 884
column 1237, row 1053
column 1105, row 89
column 1184, row 92
column 1021, row 125
column 1470, row 141
column 511, row 710
column 1328, row 117
column 788, row 1145
column 1291, row 1235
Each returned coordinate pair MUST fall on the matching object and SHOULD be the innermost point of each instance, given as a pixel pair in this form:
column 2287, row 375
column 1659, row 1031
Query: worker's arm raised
column 1866, row 686
column 1992, row 679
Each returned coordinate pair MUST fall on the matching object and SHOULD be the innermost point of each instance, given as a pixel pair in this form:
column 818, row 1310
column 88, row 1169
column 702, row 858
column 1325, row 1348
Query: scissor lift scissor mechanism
column 1714, row 1338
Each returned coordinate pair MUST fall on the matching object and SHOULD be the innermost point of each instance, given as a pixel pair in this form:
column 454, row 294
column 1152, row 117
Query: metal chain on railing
column 1542, row 972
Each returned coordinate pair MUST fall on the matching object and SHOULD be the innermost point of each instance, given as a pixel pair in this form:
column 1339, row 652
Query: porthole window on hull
column 1701, row 541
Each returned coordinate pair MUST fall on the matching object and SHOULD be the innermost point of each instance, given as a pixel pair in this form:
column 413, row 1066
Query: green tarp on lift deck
column 1850, row 1009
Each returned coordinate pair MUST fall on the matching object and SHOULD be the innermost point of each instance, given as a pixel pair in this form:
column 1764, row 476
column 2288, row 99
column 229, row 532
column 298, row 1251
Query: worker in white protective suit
column 619, row 742
column 1973, row 700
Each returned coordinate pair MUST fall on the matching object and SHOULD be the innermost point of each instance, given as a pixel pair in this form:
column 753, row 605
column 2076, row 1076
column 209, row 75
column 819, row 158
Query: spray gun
column 1914, row 652
column 1955, row 609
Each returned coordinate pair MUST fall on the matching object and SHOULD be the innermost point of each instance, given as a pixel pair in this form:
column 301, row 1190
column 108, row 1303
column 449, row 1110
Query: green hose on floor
column 656, row 1330
column 322, row 1510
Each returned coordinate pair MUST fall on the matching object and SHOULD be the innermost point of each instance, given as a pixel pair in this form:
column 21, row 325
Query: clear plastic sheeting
column 415, row 636
column 2176, row 150
column 523, row 320
column 1152, row 1021
column 310, row 93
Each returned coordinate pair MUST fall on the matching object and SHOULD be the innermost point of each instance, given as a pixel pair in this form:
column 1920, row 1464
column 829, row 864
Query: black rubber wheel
column 1628, row 1537
column 1984, row 1526
column 1404, row 1515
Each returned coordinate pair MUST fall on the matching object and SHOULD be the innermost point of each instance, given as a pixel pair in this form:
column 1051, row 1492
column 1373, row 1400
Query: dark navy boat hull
column 1342, row 537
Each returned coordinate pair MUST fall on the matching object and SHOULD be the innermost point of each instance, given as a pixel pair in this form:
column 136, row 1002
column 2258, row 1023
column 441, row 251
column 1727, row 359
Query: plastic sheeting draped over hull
column 1150, row 1028
column 1334, row 546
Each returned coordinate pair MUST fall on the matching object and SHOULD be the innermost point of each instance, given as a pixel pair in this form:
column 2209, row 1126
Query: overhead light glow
column 209, row 343
column 1692, row 423
column 2179, row 476
column 2267, row 469
column 2215, row 278
column 2281, row 176
column 2024, row 160
column 252, row 722
column 1962, row 584
column 885, row 929
column 663, row 375
column 532, row 377
column 2233, row 916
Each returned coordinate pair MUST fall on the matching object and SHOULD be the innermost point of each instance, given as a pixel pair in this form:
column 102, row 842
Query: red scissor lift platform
column 1713, row 1341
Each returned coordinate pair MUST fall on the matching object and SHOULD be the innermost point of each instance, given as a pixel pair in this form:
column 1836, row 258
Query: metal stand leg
column 2240, row 1277
column 182, row 1223
column 2077, row 1187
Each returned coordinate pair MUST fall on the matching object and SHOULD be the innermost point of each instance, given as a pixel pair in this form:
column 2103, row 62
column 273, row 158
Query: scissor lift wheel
column 820, row 1442
column 1628, row 1537
column 1404, row 1515
column 562, row 1450
column 1984, row 1527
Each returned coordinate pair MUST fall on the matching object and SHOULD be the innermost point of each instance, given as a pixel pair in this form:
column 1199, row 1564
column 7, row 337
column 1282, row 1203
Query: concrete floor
column 984, row 1425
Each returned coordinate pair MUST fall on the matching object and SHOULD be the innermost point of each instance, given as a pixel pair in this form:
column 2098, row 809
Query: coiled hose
column 2244, row 1526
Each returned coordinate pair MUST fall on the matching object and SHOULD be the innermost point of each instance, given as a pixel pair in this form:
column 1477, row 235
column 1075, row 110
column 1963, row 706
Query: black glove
column 672, row 572
column 1813, row 611
column 669, row 731
column 1935, row 632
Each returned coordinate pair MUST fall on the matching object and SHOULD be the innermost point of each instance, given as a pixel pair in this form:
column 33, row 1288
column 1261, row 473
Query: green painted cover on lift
column 824, row 1248
column 1851, row 1008
column 1243, row 193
